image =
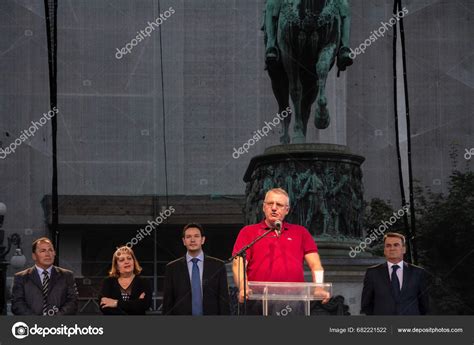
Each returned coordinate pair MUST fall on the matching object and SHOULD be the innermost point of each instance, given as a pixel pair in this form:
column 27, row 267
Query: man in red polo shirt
column 275, row 258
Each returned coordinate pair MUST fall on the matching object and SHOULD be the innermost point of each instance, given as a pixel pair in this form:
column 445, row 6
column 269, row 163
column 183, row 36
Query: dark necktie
column 395, row 282
column 45, row 290
column 196, row 288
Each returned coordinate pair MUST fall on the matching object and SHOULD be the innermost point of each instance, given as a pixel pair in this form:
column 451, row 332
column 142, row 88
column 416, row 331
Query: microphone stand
column 243, row 254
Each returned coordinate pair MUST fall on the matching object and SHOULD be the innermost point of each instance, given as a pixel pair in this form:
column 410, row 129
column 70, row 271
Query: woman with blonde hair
column 124, row 292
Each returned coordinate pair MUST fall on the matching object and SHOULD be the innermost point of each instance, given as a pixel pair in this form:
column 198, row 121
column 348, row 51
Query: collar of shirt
column 400, row 264
column 200, row 257
column 40, row 272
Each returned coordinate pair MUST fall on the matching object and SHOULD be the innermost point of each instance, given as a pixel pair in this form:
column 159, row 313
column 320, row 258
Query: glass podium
column 283, row 299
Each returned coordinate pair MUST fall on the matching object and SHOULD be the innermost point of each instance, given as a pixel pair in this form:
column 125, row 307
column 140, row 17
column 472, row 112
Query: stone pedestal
column 324, row 182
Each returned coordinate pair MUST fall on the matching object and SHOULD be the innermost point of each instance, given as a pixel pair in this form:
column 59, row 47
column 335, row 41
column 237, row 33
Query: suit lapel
column 35, row 278
column 54, row 277
column 385, row 276
column 183, row 276
column 406, row 277
column 187, row 280
column 206, row 274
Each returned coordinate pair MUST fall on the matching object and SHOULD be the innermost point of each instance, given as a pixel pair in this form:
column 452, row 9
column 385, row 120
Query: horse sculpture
column 303, row 38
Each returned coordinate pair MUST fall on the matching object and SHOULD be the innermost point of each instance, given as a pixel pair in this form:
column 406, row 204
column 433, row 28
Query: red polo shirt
column 276, row 259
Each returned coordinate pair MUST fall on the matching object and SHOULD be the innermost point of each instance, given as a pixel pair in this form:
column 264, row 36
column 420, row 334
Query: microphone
column 278, row 227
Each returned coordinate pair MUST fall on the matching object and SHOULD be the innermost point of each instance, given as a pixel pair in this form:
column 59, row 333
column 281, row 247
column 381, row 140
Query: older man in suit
column 195, row 284
column 44, row 289
column 395, row 287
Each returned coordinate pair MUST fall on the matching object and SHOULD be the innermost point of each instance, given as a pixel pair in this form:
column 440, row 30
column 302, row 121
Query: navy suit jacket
column 27, row 295
column 177, row 288
column 378, row 299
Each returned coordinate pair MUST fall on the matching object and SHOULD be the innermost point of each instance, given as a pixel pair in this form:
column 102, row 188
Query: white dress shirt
column 40, row 272
column 399, row 272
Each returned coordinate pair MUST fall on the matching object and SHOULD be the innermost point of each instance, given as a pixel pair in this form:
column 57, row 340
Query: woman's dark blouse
column 134, row 306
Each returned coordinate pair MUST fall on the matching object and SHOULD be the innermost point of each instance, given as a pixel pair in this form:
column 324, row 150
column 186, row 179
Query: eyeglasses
column 277, row 204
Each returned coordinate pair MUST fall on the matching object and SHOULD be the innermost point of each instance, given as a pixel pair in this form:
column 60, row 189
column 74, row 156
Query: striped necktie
column 45, row 290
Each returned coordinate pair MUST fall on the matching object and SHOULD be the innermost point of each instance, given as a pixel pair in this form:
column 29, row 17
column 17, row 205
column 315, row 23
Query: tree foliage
column 445, row 240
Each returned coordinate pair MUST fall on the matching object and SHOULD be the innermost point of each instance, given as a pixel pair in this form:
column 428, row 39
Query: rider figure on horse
column 270, row 27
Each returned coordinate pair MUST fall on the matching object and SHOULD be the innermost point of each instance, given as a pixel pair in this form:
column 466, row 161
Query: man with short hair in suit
column 195, row 284
column 44, row 289
column 395, row 287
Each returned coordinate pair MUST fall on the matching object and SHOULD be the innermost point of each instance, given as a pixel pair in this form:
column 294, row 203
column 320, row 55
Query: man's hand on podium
column 241, row 293
column 323, row 294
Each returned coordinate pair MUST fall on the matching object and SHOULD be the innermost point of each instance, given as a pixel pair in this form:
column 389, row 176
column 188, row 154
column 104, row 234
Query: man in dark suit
column 44, row 289
column 395, row 287
column 195, row 284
